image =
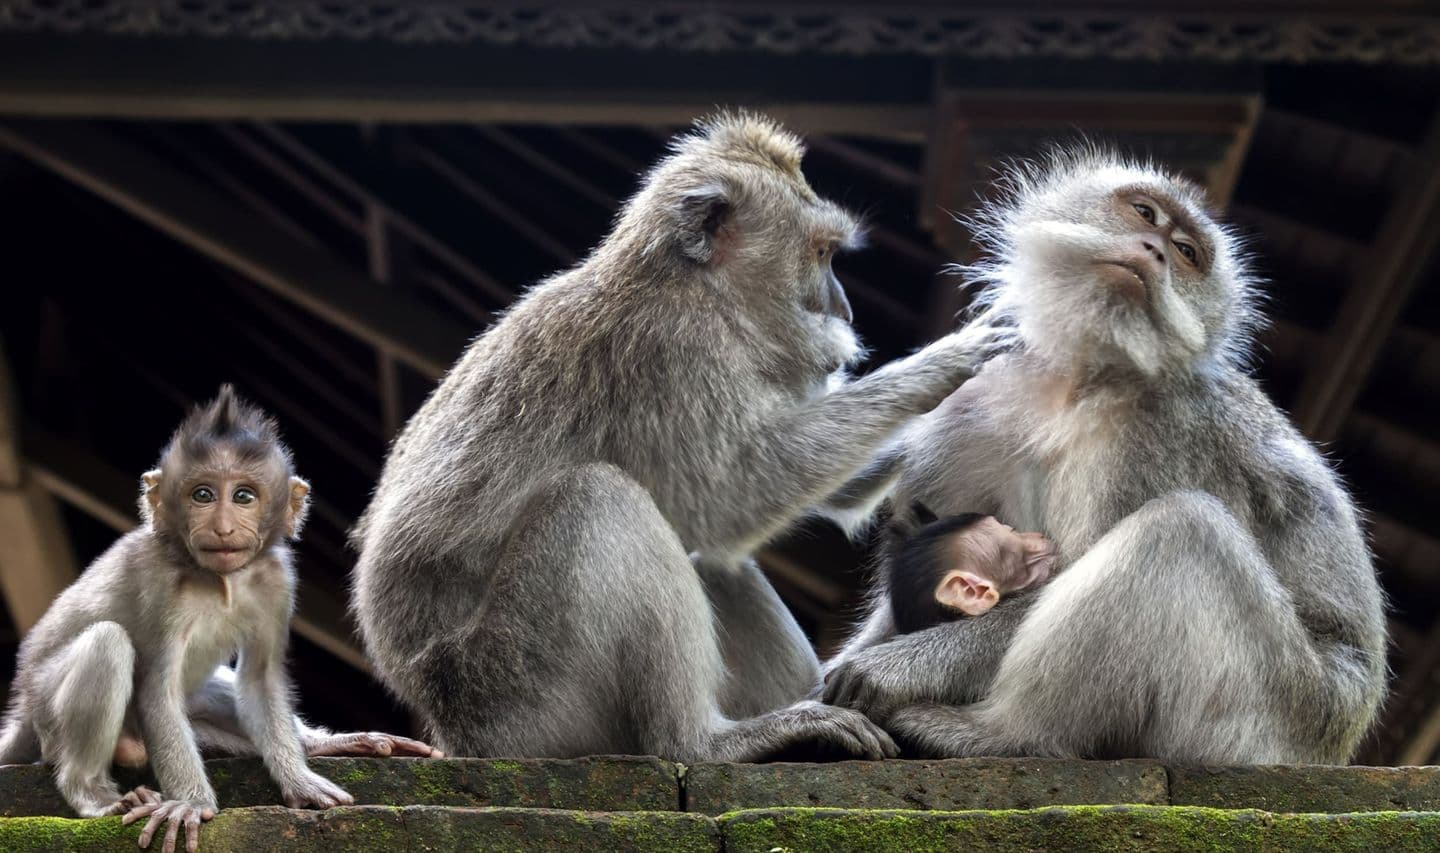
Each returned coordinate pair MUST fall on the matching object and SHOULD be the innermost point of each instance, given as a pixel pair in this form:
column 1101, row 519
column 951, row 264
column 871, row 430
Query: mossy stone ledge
column 638, row 803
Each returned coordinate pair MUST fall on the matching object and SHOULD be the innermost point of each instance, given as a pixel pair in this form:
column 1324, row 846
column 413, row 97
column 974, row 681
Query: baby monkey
column 130, row 662
column 961, row 565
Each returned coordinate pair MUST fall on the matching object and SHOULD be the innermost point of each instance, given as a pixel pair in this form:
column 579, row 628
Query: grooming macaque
column 128, row 664
column 556, row 561
column 1216, row 602
column 962, row 565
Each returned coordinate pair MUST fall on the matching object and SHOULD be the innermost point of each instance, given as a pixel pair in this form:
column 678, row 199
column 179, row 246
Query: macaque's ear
column 149, row 494
column 704, row 223
column 966, row 592
column 299, row 505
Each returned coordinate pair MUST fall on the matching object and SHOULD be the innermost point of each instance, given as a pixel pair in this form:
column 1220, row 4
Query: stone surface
column 593, row 784
column 1308, row 788
column 955, row 784
column 382, row 829
column 1144, row 829
column 437, row 829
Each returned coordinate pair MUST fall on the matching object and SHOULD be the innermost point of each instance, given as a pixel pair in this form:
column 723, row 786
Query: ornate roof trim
column 992, row 32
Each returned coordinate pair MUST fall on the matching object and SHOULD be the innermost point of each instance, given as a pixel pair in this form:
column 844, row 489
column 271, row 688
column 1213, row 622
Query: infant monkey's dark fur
column 130, row 662
column 960, row 565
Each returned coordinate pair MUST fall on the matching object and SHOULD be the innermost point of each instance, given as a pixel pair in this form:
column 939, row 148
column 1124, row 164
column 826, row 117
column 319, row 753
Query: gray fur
column 137, row 643
column 556, row 559
column 1219, row 604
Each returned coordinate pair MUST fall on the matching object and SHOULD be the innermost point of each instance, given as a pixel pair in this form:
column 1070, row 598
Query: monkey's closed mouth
column 1134, row 269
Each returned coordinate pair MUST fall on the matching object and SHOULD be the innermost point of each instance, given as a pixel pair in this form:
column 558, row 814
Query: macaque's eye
column 1146, row 212
column 1186, row 251
column 244, row 496
column 203, row 495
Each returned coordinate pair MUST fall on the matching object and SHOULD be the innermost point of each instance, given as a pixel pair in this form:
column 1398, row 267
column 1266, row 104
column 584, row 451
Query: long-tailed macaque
column 556, row 561
column 1216, row 602
column 129, row 662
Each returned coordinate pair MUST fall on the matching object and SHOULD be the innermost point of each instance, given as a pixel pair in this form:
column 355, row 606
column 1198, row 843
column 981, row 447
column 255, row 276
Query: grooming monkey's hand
column 175, row 813
column 370, row 744
column 873, row 682
column 982, row 339
column 315, row 791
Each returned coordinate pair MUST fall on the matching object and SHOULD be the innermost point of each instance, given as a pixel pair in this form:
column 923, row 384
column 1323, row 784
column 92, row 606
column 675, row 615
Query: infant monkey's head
column 960, row 566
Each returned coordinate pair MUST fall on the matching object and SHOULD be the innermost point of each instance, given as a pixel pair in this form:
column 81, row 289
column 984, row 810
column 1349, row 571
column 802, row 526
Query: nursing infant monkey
column 961, row 566
column 129, row 662
column 1214, row 601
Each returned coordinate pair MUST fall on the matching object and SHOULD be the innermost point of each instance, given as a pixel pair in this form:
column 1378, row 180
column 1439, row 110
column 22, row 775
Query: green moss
column 507, row 766
column 1132, row 828
column 60, row 833
column 434, row 784
column 354, row 773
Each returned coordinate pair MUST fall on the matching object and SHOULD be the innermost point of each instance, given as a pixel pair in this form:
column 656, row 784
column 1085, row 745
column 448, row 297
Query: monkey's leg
column 595, row 635
column 216, row 724
column 769, row 663
column 82, row 695
column 1164, row 640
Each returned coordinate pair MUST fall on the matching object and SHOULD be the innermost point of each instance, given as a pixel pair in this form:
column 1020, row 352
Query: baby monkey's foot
column 372, row 744
column 169, row 813
column 141, row 796
column 315, row 791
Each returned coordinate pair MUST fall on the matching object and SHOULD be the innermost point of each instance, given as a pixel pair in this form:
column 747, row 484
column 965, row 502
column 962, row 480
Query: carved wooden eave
column 1390, row 31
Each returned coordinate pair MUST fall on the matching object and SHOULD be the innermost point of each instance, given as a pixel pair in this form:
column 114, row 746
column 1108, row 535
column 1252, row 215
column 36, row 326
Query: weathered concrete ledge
column 1143, row 829
column 636, row 784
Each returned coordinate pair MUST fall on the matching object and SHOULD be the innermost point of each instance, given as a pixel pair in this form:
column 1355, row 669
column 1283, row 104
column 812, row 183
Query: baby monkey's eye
column 244, row 496
column 203, row 495
column 1187, row 251
column 1146, row 212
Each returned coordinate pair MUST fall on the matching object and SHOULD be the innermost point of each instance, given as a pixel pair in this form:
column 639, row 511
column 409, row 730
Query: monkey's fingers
column 137, row 812
column 192, row 830
column 416, row 748
column 157, row 820
column 172, row 829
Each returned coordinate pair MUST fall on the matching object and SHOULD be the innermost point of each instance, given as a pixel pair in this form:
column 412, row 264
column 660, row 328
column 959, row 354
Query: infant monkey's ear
column 966, row 592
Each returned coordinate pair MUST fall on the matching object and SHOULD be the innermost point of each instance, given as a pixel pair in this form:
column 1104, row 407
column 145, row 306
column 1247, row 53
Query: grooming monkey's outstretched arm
column 812, row 449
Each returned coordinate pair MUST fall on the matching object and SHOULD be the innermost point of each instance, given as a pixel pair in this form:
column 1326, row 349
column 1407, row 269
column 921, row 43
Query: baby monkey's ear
column 149, row 494
column 966, row 592
column 299, row 505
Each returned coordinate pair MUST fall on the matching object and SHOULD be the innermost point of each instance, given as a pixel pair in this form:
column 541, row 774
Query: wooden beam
column 36, row 563
column 279, row 80
column 1391, row 271
column 10, row 468
column 151, row 190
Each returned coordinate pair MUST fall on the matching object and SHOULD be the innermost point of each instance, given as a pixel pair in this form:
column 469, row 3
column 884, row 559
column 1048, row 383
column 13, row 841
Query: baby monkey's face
column 991, row 559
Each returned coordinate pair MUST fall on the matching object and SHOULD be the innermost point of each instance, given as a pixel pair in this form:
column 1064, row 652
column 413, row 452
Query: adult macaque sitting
column 960, row 566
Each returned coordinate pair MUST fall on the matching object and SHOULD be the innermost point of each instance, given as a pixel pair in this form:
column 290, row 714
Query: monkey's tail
column 19, row 742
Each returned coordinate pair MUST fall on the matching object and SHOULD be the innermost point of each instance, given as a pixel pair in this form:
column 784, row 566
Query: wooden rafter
column 36, row 562
column 1392, row 269
column 154, row 192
